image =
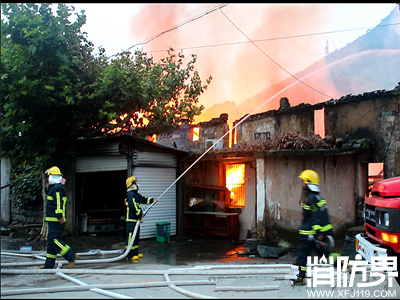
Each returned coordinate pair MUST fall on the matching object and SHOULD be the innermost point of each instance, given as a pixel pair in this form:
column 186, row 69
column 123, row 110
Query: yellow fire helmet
column 310, row 178
column 53, row 171
column 130, row 180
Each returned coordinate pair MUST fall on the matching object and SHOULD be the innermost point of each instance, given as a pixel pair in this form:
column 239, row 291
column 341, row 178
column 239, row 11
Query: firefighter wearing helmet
column 316, row 223
column 55, row 217
column 134, row 213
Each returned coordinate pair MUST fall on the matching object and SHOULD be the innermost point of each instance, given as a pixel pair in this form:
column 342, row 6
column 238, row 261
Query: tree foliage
column 165, row 94
column 55, row 89
column 26, row 182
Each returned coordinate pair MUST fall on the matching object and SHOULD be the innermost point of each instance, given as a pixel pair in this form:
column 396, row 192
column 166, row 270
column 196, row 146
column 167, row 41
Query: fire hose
column 106, row 260
column 92, row 261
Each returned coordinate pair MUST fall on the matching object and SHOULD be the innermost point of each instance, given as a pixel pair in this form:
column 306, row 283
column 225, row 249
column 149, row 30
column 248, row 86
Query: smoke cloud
column 243, row 76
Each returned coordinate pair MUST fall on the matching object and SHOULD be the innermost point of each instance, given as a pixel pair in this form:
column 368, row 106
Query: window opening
column 196, row 134
column 319, row 122
column 235, row 182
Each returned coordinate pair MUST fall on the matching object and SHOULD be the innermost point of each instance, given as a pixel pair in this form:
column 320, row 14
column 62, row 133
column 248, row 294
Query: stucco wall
column 338, row 185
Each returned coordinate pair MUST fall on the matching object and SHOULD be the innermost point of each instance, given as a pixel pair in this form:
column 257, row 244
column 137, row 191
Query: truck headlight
column 385, row 219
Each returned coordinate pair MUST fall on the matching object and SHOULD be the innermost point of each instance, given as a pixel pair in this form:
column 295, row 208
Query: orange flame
column 235, row 179
column 196, row 134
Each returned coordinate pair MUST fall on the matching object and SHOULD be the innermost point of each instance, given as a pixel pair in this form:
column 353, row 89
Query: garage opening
column 100, row 201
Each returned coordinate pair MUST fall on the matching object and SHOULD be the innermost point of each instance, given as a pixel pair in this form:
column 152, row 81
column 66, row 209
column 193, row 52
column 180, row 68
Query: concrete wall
column 5, row 192
column 282, row 189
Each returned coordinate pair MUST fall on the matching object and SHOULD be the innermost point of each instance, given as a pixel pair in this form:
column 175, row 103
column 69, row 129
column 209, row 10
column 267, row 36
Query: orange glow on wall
column 235, row 182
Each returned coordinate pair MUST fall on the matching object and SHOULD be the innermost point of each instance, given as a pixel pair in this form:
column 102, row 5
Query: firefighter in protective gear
column 55, row 218
column 134, row 214
column 315, row 222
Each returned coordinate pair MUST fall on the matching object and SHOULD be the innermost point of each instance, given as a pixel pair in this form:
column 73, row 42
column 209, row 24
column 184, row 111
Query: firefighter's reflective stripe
column 322, row 228
column 64, row 249
column 307, row 232
column 138, row 208
column 64, row 199
column 58, row 209
column 127, row 216
column 312, row 208
column 53, row 256
column 129, row 241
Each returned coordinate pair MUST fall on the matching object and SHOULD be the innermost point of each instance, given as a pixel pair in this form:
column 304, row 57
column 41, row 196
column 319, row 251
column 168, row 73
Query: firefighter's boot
column 72, row 263
column 299, row 281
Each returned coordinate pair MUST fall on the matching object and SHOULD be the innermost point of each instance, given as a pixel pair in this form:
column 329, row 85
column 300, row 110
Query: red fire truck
column 381, row 222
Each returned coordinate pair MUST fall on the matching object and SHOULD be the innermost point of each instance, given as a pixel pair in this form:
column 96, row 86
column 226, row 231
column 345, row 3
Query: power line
column 272, row 39
column 274, row 60
column 175, row 27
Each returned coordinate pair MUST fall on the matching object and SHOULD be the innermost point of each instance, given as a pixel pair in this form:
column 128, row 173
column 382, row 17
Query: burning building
column 270, row 150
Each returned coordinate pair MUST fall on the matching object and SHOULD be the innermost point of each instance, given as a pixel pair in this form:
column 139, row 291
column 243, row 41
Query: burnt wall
column 269, row 125
column 376, row 119
column 209, row 133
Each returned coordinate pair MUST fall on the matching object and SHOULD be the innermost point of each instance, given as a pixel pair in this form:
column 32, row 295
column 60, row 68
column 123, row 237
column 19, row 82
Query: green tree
column 166, row 94
column 54, row 89
column 46, row 72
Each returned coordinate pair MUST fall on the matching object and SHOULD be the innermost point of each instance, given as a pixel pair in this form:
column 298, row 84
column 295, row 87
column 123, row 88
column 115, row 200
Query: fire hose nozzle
column 320, row 244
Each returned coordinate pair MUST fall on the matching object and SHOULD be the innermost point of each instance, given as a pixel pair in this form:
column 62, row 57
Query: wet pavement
column 173, row 252
column 192, row 268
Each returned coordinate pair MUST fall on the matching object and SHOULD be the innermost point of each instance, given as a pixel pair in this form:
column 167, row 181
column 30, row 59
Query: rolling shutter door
column 154, row 159
column 153, row 181
column 100, row 164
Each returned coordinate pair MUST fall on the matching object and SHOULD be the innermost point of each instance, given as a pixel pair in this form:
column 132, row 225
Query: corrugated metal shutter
column 154, row 159
column 153, row 182
column 94, row 149
column 100, row 163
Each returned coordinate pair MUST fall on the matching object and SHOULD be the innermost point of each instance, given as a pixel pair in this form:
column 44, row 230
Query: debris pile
column 298, row 142
column 286, row 141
